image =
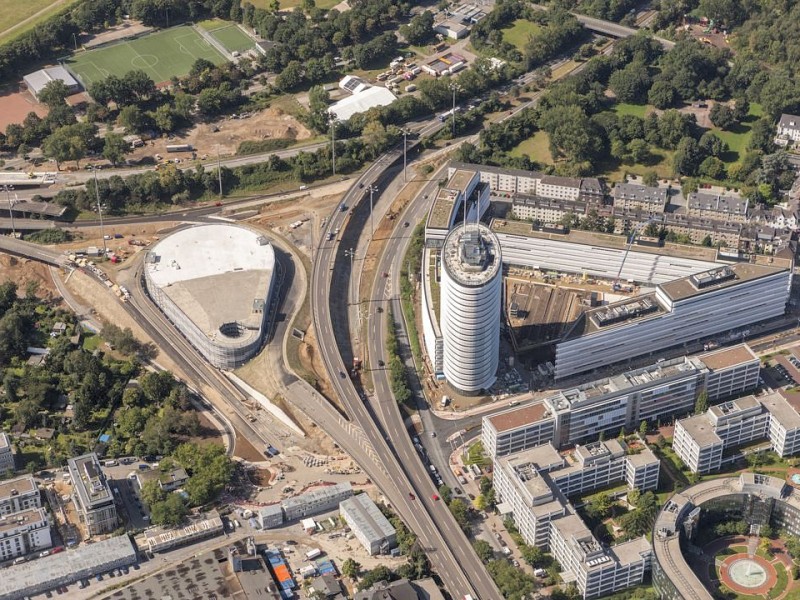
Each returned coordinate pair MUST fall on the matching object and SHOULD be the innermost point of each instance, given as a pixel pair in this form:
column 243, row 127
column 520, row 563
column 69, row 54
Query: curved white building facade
column 215, row 283
column 471, row 290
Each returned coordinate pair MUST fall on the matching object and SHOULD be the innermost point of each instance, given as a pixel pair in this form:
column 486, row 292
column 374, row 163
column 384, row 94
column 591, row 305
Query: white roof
column 362, row 101
column 38, row 79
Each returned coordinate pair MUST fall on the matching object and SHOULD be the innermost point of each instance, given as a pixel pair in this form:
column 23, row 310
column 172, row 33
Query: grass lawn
column 161, row 55
column 637, row 110
column 12, row 13
column 536, row 147
column 91, row 341
column 476, row 455
column 783, row 580
column 233, row 39
column 519, row 33
column 738, row 138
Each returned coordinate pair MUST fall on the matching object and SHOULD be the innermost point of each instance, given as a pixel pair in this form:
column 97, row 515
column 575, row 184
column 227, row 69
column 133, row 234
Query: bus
column 179, row 147
column 444, row 116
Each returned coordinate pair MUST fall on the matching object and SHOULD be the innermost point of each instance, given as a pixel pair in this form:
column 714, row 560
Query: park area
column 229, row 35
column 162, row 55
column 520, row 31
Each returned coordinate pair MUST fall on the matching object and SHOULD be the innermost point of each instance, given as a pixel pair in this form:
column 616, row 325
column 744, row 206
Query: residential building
column 701, row 441
column 6, row 453
column 44, row 574
column 16, row 495
column 718, row 207
column 161, row 539
column 597, row 571
column 368, row 524
column 788, row 130
column 632, row 197
column 316, row 501
column 92, row 495
column 24, row 532
column 561, row 188
column 402, row 589
column 545, row 210
column 663, row 390
column 168, row 481
column 678, row 312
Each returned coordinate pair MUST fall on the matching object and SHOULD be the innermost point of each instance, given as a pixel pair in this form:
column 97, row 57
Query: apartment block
column 6, row 453
column 729, row 208
column 631, row 197
column 17, row 495
column 597, row 571
column 92, row 495
column 663, row 390
column 701, row 441
column 24, row 532
column 545, row 210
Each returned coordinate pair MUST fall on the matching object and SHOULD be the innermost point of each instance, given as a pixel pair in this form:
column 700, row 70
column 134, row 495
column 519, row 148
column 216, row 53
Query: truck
column 179, row 148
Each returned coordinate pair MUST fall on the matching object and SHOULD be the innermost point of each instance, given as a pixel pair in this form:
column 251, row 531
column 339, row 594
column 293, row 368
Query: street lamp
column 372, row 189
column 8, row 189
column 100, row 212
column 454, row 87
column 405, row 140
column 219, row 172
column 351, row 254
column 332, row 119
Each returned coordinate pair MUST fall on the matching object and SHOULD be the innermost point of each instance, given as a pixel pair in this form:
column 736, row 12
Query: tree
column 373, row 576
column 662, row 94
column 638, row 150
column 762, row 135
column 712, row 145
column 535, row 557
column 707, row 242
column 420, row 29
column 631, row 83
column 169, row 512
column 460, row 511
column 713, row 168
column 351, row 568
column 445, row 493
column 164, row 118
column 132, row 119
column 722, row 116
column 633, row 496
column 741, row 109
column 484, row 550
column 687, row 157
column 600, row 506
column 650, row 178
column 54, row 93
column 643, row 429
column 701, row 404
column 65, row 144
column 115, row 148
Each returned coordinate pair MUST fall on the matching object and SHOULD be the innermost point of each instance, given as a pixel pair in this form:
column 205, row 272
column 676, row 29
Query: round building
column 215, row 283
column 471, row 291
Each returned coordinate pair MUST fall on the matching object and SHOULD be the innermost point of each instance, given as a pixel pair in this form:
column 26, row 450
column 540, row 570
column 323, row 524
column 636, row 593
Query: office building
column 699, row 306
column 464, row 191
column 161, row 539
column 44, row 574
column 6, row 453
column 16, row 495
column 660, row 391
column 535, row 483
column 701, row 441
column 92, row 495
column 595, row 570
column 316, row 501
column 368, row 524
column 270, row 516
column 471, row 291
column 24, row 532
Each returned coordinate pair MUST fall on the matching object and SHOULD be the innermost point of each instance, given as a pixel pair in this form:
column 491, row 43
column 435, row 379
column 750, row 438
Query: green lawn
column 91, row 341
column 536, row 147
column 162, row 55
column 233, row 39
column 12, row 13
column 637, row 110
column 738, row 138
column 783, row 580
column 519, row 33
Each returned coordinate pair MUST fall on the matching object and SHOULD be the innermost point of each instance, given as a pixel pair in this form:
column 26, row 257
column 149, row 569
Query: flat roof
column 23, row 518
column 361, row 102
column 683, row 288
column 701, row 430
column 460, row 180
column 728, row 357
column 216, row 274
column 631, row 551
column 367, row 517
column 471, row 255
column 68, row 565
column 518, row 417
column 89, row 481
column 779, row 408
column 617, row 314
column 442, row 209
column 605, row 240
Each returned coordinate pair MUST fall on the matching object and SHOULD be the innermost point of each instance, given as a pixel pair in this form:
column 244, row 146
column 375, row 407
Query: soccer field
column 233, row 39
column 162, row 55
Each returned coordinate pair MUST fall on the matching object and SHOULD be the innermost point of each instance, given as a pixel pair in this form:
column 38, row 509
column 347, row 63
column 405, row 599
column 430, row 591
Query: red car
column 411, row 496
column 435, row 497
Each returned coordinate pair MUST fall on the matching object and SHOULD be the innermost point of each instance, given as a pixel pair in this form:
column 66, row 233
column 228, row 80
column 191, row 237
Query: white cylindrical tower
column 470, row 307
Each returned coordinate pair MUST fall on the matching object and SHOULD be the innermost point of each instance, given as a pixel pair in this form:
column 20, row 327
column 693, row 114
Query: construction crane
column 616, row 286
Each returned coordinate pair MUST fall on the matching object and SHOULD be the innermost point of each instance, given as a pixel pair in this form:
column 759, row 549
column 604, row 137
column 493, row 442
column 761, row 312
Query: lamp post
column 332, row 119
column 219, row 172
column 405, row 141
column 351, row 254
column 75, row 40
column 372, row 189
column 455, row 88
column 8, row 189
column 100, row 213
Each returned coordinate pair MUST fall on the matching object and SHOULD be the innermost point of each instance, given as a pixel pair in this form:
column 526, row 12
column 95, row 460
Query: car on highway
column 385, row 274
column 380, row 363
column 405, row 224
column 411, row 496
column 435, row 497
column 380, row 309
column 342, row 375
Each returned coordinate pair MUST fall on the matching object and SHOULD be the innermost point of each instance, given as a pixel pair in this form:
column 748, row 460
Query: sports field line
column 196, row 38
column 136, row 52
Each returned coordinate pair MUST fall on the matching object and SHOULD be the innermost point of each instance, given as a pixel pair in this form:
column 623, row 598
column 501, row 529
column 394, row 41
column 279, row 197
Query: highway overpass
column 16, row 247
column 615, row 29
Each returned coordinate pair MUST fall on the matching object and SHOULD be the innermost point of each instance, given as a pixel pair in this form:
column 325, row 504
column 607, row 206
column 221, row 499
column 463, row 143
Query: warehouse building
column 65, row 568
column 304, row 505
column 38, row 80
column 368, row 524
column 702, row 440
column 663, row 390
column 92, row 495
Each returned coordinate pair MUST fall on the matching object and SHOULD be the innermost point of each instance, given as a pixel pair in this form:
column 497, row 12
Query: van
column 110, row 463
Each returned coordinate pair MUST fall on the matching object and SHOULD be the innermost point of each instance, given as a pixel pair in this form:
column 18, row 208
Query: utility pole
column 333, row 142
column 100, row 213
column 351, row 253
column 405, row 139
column 455, row 88
column 8, row 189
column 372, row 190
column 219, row 172
column 75, row 40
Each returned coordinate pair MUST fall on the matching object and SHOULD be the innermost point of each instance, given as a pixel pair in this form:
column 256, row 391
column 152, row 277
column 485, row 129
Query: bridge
column 16, row 247
column 615, row 29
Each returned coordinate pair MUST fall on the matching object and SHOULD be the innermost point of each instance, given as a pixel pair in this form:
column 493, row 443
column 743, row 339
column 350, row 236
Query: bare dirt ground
column 719, row 39
column 246, row 450
column 271, row 123
column 15, row 104
column 21, row 271
column 701, row 114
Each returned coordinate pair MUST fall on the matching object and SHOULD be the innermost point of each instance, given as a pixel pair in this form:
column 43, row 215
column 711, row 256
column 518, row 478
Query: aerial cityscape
column 386, row 299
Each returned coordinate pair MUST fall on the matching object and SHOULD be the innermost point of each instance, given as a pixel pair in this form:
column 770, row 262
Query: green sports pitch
column 162, row 55
column 229, row 35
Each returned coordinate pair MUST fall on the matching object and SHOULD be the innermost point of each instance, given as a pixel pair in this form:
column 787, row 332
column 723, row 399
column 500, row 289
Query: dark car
column 380, row 363
column 405, row 224
column 342, row 375
column 380, row 309
column 411, row 496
